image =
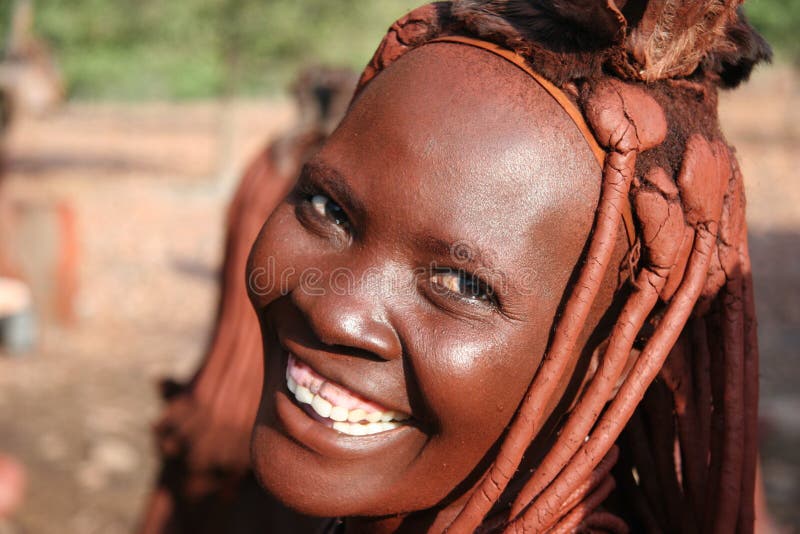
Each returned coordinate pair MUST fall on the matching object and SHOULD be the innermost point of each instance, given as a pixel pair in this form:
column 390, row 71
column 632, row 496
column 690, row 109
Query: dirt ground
column 147, row 185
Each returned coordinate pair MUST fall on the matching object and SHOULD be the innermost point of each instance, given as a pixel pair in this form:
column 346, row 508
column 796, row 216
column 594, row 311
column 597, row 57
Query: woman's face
column 414, row 276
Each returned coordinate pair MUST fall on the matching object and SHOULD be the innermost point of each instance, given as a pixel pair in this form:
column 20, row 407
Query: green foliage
column 146, row 49
column 779, row 22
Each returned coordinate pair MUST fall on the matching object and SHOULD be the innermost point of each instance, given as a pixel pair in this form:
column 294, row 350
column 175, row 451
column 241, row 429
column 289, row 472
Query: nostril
column 350, row 325
column 356, row 334
column 349, row 350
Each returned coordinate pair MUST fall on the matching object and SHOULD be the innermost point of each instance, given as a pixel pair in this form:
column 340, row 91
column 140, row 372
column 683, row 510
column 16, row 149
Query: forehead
column 461, row 144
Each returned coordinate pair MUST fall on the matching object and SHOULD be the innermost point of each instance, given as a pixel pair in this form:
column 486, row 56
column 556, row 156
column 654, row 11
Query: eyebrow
column 333, row 182
column 467, row 256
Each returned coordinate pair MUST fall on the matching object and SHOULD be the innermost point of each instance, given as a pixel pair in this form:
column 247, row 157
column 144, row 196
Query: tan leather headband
column 559, row 96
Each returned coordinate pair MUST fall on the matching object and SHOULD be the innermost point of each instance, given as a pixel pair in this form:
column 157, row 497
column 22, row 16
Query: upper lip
column 324, row 363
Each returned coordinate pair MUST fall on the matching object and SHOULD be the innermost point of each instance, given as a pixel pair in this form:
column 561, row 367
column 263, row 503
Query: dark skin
column 449, row 147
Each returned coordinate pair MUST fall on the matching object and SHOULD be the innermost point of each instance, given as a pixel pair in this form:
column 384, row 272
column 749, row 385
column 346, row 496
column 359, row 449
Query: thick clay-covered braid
column 740, row 343
column 633, row 389
column 626, row 120
column 584, row 416
column 641, row 451
column 529, row 418
column 626, row 473
column 240, row 378
column 728, row 487
column 203, row 436
column 715, row 342
column 677, row 375
column 701, row 381
column 664, row 221
column 747, row 511
column 729, row 484
column 604, row 522
column 659, row 419
column 581, row 512
column 589, row 485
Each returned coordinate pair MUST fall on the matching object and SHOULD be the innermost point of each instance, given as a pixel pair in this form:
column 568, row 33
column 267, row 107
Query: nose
column 352, row 316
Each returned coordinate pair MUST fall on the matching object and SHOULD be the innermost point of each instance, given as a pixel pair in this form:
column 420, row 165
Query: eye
column 462, row 284
column 330, row 210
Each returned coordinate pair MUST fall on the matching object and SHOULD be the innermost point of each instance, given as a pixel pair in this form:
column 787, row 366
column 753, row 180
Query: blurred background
column 126, row 126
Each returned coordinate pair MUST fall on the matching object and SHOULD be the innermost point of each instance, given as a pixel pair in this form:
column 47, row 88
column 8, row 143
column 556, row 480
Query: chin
column 319, row 472
column 309, row 486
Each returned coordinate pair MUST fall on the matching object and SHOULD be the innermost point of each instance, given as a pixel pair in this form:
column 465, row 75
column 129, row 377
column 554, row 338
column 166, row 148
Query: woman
column 512, row 290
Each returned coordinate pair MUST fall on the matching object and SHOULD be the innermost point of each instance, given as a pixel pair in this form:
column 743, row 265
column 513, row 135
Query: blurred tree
column 29, row 79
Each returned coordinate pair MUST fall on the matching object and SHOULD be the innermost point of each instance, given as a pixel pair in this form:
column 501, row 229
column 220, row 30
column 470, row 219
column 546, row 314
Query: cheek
column 473, row 380
column 282, row 254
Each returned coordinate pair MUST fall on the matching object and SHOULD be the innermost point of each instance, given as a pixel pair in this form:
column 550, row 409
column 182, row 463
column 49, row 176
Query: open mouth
column 336, row 406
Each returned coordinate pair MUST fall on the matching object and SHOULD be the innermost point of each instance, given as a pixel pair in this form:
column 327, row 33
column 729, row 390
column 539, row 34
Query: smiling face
column 415, row 273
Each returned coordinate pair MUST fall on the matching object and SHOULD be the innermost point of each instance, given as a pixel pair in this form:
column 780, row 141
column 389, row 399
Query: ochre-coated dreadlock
column 679, row 434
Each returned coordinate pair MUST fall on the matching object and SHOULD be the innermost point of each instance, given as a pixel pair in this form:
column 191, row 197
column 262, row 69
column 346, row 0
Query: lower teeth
column 359, row 429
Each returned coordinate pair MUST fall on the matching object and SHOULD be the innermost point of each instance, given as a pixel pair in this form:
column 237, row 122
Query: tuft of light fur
column 647, row 40
column 683, row 33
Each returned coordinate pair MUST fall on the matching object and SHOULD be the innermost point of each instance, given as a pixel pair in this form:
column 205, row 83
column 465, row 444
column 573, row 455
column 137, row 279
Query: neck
column 431, row 520
column 436, row 519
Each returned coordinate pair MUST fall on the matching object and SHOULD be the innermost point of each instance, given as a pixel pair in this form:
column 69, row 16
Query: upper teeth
column 355, row 422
